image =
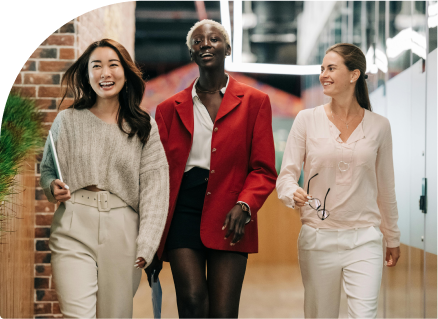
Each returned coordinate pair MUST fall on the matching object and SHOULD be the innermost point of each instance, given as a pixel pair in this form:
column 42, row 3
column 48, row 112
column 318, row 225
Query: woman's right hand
column 301, row 198
column 60, row 191
column 156, row 265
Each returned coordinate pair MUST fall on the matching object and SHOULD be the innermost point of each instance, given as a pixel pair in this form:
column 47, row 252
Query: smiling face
column 208, row 46
column 335, row 76
column 106, row 73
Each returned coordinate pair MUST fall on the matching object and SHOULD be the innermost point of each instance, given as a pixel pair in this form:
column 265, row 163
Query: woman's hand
column 392, row 256
column 140, row 263
column 301, row 197
column 154, row 268
column 60, row 191
column 236, row 220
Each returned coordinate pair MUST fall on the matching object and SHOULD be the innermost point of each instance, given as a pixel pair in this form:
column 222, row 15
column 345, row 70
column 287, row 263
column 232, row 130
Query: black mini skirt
column 185, row 228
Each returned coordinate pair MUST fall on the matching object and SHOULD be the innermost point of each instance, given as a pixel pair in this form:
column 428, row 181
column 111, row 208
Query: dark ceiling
column 162, row 26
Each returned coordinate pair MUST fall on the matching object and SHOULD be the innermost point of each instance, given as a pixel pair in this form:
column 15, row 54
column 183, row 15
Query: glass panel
column 432, row 24
column 357, row 25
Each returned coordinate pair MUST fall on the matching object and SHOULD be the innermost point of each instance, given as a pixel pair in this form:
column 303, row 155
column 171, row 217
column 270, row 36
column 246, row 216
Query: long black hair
column 75, row 81
column 354, row 59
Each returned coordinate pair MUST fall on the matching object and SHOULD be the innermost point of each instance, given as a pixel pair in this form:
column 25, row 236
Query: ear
column 354, row 76
column 228, row 50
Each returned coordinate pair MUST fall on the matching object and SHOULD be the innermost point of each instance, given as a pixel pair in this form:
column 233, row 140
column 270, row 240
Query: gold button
column 208, row 193
column 214, row 150
column 212, row 171
column 215, row 129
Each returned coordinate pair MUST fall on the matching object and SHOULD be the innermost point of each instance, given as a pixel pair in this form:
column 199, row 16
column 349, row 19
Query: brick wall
column 40, row 79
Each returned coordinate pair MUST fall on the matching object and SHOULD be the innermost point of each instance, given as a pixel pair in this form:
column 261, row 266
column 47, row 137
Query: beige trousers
column 329, row 258
column 93, row 255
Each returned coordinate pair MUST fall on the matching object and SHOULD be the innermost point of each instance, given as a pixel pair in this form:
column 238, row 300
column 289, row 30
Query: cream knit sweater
column 93, row 152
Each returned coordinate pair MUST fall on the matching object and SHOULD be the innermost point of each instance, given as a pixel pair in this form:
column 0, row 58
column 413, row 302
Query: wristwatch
column 244, row 206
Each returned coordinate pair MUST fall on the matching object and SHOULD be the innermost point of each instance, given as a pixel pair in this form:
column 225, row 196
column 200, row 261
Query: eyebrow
column 98, row 61
column 329, row 65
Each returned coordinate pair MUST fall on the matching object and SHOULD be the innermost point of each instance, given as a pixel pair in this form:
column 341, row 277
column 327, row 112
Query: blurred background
column 277, row 47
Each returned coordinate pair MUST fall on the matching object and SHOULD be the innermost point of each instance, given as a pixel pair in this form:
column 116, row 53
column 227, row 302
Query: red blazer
column 243, row 158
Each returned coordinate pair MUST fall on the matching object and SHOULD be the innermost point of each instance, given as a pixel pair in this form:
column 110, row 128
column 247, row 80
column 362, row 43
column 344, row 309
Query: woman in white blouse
column 348, row 171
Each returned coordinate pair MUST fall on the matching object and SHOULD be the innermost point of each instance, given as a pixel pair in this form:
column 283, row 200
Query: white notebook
column 55, row 157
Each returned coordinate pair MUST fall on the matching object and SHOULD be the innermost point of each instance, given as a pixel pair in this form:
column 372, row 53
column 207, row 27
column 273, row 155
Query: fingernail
column 66, row 187
column 135, row 266
column 307, row 203
column 137, row 260
column 225, row 238
column 309, row 197
column 232, row 244
column 223, row 227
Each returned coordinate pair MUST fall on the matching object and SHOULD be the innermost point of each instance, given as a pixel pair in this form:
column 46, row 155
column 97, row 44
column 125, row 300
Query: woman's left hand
column 236, row 220
column 392, row 256
column 140, row 263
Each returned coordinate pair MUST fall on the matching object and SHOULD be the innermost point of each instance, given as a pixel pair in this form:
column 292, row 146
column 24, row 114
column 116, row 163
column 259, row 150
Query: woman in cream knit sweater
column 113, row 211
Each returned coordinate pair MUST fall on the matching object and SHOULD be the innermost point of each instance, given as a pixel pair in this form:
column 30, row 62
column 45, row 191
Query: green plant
column 22, row 135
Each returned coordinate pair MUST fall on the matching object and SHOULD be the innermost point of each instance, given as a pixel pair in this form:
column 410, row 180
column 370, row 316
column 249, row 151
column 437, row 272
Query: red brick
column 54, row 66
column 42, row 245
column 40, row 308
column 29, row 66
column 60, row 39
column 50, row 116
column 43, row 270
column 66, row 103
column 46, row 295
column 18, row 79
column 39, row 194
column 67, row 28
column 41, row 283
column 43, row 219
column 42, row 232
column 41, row 53
column 41, row 78
column 56, row 308
column 27, row 91
column 49, row 91
column 37, row 181
column 66, row 54
column 42, row 258
column 44, row 206
column 47, row 104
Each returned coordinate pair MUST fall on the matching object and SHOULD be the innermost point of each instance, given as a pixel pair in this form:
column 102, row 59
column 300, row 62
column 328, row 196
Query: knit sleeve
column 47, row 166
column 154, row 196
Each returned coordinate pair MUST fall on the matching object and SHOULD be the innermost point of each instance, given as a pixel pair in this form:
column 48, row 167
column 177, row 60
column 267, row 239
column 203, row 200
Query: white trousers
column 93, row 256
column 329, row 258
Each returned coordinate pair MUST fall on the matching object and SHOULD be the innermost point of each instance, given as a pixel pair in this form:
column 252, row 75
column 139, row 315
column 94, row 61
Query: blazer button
column 212, row 171
column 215, row 129
column 208, row 193
column 213, row 150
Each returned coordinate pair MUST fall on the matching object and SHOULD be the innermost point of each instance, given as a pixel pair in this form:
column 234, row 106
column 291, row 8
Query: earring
column 351, row 81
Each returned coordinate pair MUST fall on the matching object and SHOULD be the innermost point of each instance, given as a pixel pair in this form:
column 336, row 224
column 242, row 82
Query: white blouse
column 200, row 152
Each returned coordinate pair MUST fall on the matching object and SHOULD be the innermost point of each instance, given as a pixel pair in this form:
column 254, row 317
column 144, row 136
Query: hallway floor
column 268, row 292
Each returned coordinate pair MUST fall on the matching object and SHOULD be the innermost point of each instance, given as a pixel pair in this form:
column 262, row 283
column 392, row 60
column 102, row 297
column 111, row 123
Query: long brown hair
column 75, row 81
column 354, row 59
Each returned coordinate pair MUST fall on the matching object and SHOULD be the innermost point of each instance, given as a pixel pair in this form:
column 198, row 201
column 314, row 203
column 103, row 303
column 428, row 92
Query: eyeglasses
column 315, row 203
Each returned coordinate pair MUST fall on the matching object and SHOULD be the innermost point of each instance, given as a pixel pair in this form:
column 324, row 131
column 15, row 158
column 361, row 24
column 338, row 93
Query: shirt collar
column 194, row 94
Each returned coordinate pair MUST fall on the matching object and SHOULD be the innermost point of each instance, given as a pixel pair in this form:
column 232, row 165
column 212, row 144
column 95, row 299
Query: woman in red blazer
column 218, row 139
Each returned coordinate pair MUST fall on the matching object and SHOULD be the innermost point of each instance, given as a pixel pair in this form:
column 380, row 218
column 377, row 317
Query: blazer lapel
column 184, row 107
column 231, row 98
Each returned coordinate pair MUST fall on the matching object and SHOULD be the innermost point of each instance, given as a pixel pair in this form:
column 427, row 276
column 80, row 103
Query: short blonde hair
column 208, row 21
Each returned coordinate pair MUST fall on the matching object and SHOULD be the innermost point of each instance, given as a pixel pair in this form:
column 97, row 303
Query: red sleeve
column 260, row 181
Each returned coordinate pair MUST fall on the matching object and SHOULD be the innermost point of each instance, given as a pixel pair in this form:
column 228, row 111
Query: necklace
column 346, row 124
column 343, row 167
column 210, row 92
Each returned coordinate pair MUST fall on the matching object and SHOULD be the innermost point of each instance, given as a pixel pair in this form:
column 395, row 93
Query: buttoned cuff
column 248, row 219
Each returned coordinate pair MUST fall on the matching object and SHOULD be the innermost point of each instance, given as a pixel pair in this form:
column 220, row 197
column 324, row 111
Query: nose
column 205, row 43
column 105, row 73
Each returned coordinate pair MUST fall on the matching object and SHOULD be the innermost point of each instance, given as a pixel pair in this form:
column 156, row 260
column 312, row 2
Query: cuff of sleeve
column 392, row 243
column 49, row 193
column 248, row 219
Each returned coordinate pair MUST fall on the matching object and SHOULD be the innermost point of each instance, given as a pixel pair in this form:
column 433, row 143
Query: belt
column 103, row 200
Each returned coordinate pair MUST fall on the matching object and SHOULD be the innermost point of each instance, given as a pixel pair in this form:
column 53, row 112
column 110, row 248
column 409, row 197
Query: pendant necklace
column 343, row 167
